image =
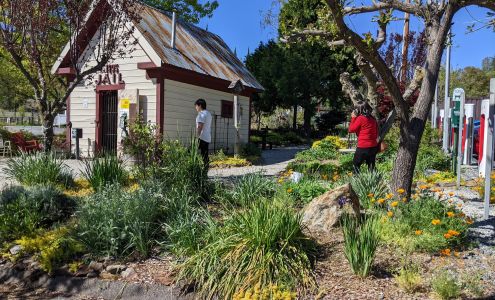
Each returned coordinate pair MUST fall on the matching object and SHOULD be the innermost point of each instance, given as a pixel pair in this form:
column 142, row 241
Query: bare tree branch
column 371, row 82
column 350, row 89
column 415, row 83
column 304, row 34
column 383, row 5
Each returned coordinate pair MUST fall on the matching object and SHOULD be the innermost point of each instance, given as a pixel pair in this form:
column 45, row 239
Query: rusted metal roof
column 195, row 49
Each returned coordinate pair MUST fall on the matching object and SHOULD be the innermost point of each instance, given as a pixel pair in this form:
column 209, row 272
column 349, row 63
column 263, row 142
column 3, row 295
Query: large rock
column 324, row 212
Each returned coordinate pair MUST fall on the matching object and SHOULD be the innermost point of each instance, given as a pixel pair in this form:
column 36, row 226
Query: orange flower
column 389, row 196
column 423, row 187
column 404, row 199
column 390, row 214
column 380, row 201
column 401, row 191
column 459, row 205
column 447, row 235
column 456, row 254
column 445, row 252
column 335, row 177
column 451, row 194
column 394, row 204
column 462, row 215
column 289, row 190
column 436, row 222
column 450, row 214
column 418, row 232
column 469, row 221
column 453, row 232
column 450, row 201
column 371, row 195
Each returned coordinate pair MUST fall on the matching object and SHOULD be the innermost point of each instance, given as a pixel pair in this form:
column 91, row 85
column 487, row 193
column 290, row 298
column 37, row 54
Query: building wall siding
column 84, row 117
column 180, row 115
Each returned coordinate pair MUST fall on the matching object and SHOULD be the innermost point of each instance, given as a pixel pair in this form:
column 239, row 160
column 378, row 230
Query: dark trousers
column 367, row 155
column 203, row 149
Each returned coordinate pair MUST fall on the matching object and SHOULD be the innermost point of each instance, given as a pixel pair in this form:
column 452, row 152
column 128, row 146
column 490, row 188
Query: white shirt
column 204, row 117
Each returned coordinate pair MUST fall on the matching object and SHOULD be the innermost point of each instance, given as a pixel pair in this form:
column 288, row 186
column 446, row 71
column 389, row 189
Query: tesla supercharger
column 467, row 133
column 482, row 135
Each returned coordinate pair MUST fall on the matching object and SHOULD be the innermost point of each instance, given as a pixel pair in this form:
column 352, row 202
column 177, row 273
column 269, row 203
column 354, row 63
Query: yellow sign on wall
column 125, row 103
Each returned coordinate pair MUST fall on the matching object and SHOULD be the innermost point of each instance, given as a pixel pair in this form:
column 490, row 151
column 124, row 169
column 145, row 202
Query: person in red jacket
column 365, row 126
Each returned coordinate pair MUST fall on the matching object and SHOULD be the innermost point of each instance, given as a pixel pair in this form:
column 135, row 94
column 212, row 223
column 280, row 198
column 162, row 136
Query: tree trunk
column 307, row 121
column 48, row 134
column 294, row 119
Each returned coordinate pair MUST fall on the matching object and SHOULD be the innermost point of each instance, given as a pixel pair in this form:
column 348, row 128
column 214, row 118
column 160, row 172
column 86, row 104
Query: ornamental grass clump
column 445, row 285
column 361, row 238
column 260, row 246
column 38, row 169
column 369, row 183
column 251, row 187
column 105, row 170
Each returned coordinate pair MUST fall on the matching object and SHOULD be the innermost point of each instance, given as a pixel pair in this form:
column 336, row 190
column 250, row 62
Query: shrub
column 274, row 138
column 113, row 222
column 262, row 246
column 366, row 183
column 250, row 150
column 313, row 168
column 39, row 168
column 442, row 176
column 105, row 170
column 445, row 285
column 52, row 248
column 293, row 138
column 409, row 277
column 425, row 224
column 220, row 160
column 251, row 187
column 346, row 162
column 305, row 190
column 24, row 211
column 361, row 239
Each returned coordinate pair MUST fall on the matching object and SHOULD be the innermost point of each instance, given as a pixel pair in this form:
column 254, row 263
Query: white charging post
column 489, row 150
column 458, row 119
column 468, row 145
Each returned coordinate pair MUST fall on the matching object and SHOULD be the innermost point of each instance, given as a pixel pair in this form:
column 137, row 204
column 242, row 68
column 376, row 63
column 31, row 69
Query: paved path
column 272, row 162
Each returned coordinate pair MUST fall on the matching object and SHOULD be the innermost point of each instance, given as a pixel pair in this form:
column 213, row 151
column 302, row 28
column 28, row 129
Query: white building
column 160, row 80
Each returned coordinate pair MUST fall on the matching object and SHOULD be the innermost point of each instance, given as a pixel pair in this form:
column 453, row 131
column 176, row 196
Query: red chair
column 26, row 146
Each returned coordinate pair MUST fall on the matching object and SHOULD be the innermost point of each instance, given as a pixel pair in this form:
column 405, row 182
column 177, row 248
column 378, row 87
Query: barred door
column 109, row 121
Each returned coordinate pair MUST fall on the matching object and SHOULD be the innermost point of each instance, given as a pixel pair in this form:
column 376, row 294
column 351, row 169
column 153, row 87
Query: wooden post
column 405, row 46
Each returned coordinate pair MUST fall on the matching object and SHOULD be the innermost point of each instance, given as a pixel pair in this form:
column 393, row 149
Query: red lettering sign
column 110, row 75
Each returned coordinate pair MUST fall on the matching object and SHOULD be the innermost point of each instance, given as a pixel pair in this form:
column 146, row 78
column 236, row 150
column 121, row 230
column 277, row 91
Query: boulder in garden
column 325, row 211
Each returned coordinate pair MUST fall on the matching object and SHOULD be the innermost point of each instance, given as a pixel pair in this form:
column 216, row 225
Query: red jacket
column 366, row 129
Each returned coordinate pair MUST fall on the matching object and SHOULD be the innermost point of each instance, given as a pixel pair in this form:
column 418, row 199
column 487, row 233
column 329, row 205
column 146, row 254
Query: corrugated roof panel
column 195, row 49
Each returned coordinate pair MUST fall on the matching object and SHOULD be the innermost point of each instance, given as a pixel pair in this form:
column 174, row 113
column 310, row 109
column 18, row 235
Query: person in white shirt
column 203, row 129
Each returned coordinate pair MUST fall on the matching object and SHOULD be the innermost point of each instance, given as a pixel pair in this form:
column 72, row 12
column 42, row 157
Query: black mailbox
column 77, row 133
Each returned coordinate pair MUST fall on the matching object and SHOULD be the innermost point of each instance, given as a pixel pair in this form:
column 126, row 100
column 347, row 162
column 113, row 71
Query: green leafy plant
column 113, row 222
column 361, row 238
column 261, row 245
column 305, row 190
column 445, row 285
column 366, row 183
column 409, row 277
column 23, row 211
column 425, row 224
column 105, row 170
column 51, row 248
column 39, row 168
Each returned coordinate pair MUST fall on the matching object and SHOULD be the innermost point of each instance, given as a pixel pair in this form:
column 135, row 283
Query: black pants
column 203, row 149
column 367, row 155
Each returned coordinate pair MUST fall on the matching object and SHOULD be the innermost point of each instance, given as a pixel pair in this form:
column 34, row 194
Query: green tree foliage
column 190, row 10
column 305, row 74
column 474, row 81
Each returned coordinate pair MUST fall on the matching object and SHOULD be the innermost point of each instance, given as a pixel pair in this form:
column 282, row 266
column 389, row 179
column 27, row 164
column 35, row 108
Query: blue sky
column 239, row 23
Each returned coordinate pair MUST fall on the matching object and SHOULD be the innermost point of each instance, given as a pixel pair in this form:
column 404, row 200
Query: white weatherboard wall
column 180, row 114
column 83, row 98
